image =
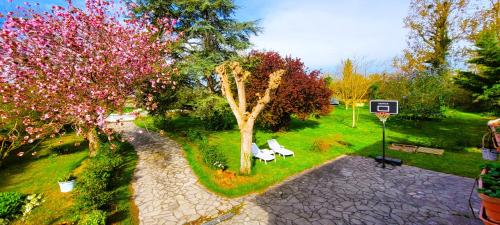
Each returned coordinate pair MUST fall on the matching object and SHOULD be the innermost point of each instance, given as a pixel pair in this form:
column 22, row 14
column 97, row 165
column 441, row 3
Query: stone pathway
column 352, row 190
column 349, row 190
column 166, row 189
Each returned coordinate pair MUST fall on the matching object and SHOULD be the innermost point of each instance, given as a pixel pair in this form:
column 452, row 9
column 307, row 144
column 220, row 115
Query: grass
column 39, row 174
column 459, row 134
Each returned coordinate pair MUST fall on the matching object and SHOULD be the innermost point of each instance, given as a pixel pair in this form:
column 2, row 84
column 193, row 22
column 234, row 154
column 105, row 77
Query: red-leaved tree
column 301, row 93
column 73, row 66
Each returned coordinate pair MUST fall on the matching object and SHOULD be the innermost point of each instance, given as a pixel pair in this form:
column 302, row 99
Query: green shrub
column 212, row 157
column 161, row 122
column 95, row 217
column 11, row 204
column 215, row 113
column 4, row 221
column 194, row 135
column 421, row 97
column 94, row 186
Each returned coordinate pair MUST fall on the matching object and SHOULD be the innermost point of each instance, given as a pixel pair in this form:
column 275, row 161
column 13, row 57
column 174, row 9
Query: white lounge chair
column 280, row 149
column 263, row 155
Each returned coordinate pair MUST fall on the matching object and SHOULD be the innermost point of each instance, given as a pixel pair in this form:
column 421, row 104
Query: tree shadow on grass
column 15, row 165
column 453, row 134
column 461, row 163
column 297, row 124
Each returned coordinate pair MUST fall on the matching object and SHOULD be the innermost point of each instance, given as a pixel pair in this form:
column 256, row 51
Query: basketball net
column 382, row 116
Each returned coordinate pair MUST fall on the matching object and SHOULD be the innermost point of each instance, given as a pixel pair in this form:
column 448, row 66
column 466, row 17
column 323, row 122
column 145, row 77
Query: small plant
column 11, row 204
column 32, row 201
column 320, row 145
column 95, row 217
column 491, row 180
column 67, row 177
column 212, row 157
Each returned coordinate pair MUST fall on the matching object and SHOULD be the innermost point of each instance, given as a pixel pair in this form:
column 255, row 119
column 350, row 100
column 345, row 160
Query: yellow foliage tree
column 352, row 88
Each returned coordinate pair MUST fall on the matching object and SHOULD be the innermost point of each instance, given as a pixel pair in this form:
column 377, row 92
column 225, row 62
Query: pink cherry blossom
column 75, row 66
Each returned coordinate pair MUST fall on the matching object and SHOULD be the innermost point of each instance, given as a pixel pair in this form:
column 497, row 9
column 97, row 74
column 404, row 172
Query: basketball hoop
column 383, row 116
column 383, row 109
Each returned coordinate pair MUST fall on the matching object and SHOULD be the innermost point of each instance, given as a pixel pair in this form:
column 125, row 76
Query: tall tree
column 246, row 119
column 435, row 25
column 352, row 88
column 74, row 66
column 486, row 17
column 301, row 92
column 484, row 82
column 209, row 34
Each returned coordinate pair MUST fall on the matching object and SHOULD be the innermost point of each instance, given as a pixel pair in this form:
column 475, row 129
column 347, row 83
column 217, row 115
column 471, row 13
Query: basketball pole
column 383, row 143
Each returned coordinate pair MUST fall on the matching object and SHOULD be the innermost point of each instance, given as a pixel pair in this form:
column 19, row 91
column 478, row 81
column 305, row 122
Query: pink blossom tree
column 74, row 66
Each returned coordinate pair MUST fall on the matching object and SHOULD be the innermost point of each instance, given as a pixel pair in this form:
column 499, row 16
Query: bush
column 195, row 135
column 95, row 217
column 212, row 157
column 94, row 189
column 215, row 113
column 420, row 97
column 320, row 145
column 11, row 204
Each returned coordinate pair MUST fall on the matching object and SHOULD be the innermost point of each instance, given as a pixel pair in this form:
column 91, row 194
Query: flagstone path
column 349, row 190
column 166, row 189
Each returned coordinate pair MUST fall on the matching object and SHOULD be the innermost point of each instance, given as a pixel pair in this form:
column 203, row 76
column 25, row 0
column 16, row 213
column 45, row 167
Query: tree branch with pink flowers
column 75, row 66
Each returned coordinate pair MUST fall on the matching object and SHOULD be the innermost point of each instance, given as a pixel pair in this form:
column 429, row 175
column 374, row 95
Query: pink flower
column 91, row 60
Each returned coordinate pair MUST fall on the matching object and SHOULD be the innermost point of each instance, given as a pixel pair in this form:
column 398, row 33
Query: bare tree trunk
column 244, row 118
column 354, row 115
column 93, row 142
column 246, row 150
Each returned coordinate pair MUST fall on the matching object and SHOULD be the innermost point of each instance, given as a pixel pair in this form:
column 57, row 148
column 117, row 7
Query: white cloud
column 323, row 33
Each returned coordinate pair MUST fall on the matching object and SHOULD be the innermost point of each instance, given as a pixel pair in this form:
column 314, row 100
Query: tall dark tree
column 484, row 81
column 208, row 32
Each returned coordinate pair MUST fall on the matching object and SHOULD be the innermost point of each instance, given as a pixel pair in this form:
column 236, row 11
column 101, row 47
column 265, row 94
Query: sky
column 320, row 32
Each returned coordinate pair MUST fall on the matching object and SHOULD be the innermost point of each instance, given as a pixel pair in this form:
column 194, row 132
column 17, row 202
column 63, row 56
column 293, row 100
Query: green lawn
column 38, row 174
column 459, row 133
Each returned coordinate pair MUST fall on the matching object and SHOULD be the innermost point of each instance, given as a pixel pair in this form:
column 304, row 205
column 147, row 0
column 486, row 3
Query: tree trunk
column 93, row 142
column 354, row 115
column 246, row 150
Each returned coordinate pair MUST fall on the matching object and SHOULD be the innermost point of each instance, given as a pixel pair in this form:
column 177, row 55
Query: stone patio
column 352, row 190
column 349, row 190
